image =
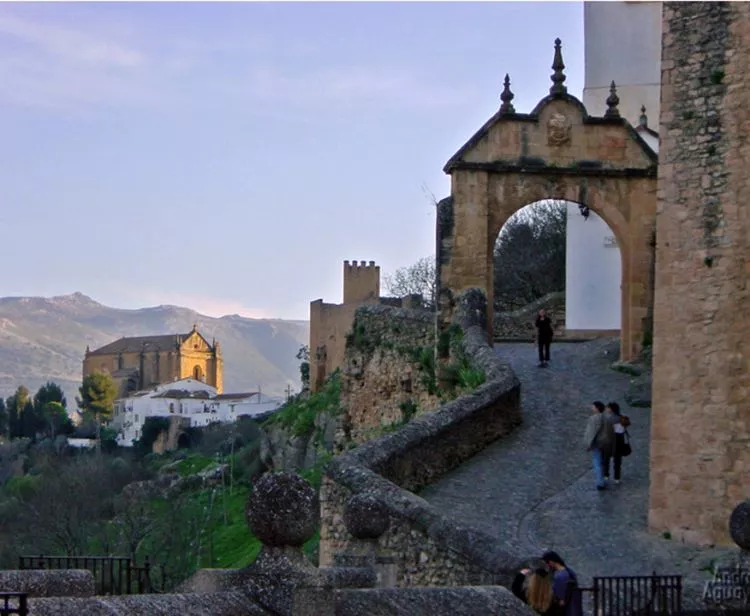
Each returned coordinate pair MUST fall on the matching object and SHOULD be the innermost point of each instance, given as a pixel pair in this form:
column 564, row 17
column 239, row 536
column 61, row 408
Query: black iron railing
column 113, row 575
column 638, row 595
column 13, row 604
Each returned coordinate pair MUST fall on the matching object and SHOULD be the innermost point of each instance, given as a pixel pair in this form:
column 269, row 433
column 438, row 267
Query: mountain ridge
column 45, row 338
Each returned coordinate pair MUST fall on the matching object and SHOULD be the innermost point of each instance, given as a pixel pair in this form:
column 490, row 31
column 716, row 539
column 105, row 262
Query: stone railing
column 423, row 546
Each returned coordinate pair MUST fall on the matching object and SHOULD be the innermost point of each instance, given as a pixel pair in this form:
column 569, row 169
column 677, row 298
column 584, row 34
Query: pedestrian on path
column 543, row 337
column 564, row 585
column 599, row 439
column 536, row 590
column 622, row 446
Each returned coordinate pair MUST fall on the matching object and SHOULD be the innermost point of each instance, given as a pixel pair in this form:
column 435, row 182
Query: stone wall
column 700, row 443
column 429, row 548
column 382, row 382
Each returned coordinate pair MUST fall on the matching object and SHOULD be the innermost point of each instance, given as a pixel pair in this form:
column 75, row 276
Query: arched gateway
column 557, row 151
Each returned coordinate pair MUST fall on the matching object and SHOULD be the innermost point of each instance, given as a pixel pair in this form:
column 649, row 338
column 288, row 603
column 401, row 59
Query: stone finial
column 558, row 77
column 506, row 97
column 283, row 510
column 195, row 327
column 366, row 517
column 643, row 120
column 612, row 101
column 739, row 525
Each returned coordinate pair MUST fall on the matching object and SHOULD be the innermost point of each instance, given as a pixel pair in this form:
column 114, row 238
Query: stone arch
column 556, row 152
column 198, row 373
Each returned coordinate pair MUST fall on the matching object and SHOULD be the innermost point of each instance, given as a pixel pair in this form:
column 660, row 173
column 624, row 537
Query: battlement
column 361, row 281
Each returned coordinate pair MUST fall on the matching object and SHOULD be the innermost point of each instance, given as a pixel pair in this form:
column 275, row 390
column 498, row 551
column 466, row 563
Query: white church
column 593, row 262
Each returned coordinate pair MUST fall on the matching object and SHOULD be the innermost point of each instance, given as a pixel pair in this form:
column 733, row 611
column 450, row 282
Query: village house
column 199, row 403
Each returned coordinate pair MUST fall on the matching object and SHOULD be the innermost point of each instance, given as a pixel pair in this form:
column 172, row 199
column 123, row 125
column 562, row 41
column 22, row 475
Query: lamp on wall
column 584, row 210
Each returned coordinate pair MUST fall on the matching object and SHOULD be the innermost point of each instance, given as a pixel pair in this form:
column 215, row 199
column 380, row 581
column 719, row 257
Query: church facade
column 141, row 362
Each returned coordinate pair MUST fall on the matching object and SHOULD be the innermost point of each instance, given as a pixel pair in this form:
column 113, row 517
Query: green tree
column 15, row 406
column 3, row 419
column 304, row 368
column 98, row 392
column 56, row 419
column 529, row 255
column 51, row 392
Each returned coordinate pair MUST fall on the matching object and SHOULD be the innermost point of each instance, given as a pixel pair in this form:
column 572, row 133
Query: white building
column 622, row 44
column 187, row 398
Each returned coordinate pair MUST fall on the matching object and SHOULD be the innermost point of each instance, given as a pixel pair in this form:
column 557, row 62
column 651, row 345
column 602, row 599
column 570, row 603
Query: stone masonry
column 560, row 152
column 382, row 382
column 700, row 436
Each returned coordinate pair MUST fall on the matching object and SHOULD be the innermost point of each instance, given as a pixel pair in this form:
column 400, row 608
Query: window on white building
column 136, row 418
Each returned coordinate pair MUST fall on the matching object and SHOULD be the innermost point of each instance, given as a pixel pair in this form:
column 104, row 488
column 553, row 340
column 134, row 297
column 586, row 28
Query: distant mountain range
column 45, row 339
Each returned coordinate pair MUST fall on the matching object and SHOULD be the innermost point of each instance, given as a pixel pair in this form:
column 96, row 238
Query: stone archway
column 556, row 152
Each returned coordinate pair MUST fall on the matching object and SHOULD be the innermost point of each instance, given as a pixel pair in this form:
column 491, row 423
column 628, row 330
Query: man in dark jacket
column 544, row 337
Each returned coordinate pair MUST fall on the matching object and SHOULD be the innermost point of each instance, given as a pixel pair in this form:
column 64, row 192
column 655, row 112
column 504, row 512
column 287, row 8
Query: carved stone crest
column 558, row 130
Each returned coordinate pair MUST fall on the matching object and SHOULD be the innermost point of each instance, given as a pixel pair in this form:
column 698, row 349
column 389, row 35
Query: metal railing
column 637, row 595
column 113, row 575
column 14, row 604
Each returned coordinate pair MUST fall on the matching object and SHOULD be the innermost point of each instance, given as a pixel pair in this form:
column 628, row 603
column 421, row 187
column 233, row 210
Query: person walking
column 544, row 337
column 622, row 446
column 599, row 439
column 564, row 584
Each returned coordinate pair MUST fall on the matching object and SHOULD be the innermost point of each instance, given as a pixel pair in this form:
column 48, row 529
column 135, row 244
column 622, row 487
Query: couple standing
column 606, row 437
column 551, row 590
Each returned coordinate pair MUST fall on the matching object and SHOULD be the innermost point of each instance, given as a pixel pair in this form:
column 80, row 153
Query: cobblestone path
column 535, row 489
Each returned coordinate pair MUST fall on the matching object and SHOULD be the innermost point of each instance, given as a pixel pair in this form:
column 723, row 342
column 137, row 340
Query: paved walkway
column 535, row 490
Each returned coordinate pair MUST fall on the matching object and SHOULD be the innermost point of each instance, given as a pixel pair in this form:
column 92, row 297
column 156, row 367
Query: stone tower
column 361, row 281
column 700, row 434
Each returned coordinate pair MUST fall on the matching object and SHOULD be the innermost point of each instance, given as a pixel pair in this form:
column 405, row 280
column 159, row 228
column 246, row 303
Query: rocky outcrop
column 281, row 450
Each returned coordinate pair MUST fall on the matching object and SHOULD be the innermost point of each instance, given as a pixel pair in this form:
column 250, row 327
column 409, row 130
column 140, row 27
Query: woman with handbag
column 622, row 440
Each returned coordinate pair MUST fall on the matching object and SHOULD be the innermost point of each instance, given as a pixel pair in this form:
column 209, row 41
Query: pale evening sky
column 229, row 157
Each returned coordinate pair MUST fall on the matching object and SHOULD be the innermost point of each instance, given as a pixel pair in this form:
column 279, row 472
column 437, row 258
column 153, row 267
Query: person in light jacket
column 599, row 439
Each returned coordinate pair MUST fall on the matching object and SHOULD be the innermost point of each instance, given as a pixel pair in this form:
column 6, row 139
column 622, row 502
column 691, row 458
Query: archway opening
column 560, row 256
column 198, row 373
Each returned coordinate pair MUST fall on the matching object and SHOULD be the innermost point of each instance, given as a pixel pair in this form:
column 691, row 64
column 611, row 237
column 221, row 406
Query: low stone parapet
column 215, row 604
column 457, row 600
column 49, row 583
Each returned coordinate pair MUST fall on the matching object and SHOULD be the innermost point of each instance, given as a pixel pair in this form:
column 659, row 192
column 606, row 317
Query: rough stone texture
column 514, row 160
column 217, row 604
column 429, row 548
column 465, row 601
column 700, row 438
column 739, row 525
column 282, row 510
column 381, row 374
column 46, row 583
column 365, row 517
column 282, row 451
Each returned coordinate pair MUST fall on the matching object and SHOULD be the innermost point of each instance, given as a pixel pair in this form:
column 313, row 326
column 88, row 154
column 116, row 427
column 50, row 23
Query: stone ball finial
column 366, row 517
column 739, row 525
column 283, row 510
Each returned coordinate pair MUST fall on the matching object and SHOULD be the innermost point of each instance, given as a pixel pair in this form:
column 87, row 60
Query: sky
column 228, row 157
